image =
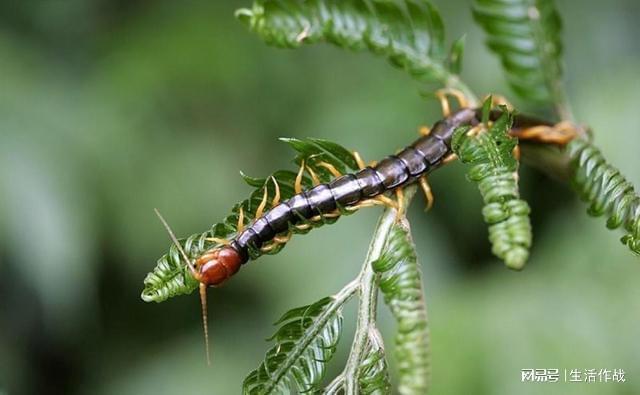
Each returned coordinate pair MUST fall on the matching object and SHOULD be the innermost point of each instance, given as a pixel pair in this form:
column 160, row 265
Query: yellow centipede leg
column 568, row 130
column 283, row 239
column 516, row 152
column 268, row 247
column 335, row 172
column 276, row 198
column 297, row 186
column 387, row 201
column 463, row 102
column 444, row 102
column 303, row 226
column 424, row 131
column 561, row 133
column 449, row 158
column 263, row 203
column 333, row 214
column 400, row 200
column 474, row 131
column 442, row 96
column 359, row 161
column 426, row 190
column 314, row 176
column 240, row 226
column 364, row 203
column 218, row 240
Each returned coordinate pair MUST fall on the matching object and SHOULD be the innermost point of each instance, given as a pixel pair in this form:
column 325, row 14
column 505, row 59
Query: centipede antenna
column 173, row 238
column 205, row 325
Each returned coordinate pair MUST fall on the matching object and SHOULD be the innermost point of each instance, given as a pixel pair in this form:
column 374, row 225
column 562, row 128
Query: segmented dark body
column 418, row 159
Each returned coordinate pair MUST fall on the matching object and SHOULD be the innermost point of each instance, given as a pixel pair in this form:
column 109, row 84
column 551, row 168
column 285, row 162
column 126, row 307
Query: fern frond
column 409, row 33
column 305, row 342
column 373, row 377
column 494, row 169
column 525, row 34
column 607, row 191
column 401, row 284
column 171, row 277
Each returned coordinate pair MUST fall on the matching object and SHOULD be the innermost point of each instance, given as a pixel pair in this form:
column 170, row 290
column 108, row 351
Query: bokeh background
column 111, row 108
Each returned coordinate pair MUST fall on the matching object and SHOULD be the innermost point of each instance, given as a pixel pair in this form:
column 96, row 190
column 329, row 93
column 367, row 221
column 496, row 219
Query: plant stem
column 335, row 386
column 339, row 299
column 368, row 291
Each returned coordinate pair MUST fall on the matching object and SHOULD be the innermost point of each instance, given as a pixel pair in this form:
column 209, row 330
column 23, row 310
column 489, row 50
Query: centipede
column 264, row 224
column 326, row 200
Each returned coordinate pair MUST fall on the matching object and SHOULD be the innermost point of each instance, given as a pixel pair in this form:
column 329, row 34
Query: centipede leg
column 263, row 203
column 387, row 201
column 442, row 96
column 449, row 158
column 276, row 197
column 240, row 226
column 560, row 133
column 283, row 239
column 314, row 176
column 365, row 203
column 359, row 161
column 400, row 200
column 297, row 186
column 474, row 131
column 303, row 227
column 335, row 172
column 277, row 240
column 444, row 102
column 516, row 152
column 426, row 190
column 219, row 240
column 424, row 130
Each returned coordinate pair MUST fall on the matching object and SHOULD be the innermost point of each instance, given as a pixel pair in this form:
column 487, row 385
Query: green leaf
column 456, row 55
column 525, row 34
column 305, row 342
column 373, row 376
column 410, row 33
column 494, row 168
column 171, row 277
column 401, row 284
column 486, row 109
column 607, row 191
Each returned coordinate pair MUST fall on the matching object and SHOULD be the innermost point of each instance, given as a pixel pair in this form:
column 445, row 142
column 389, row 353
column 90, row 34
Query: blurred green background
column 111, row 108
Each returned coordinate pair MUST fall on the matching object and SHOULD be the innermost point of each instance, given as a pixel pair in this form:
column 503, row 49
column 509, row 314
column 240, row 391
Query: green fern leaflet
column 409, row 33
column 305, row 342
column 494, row 168
column 525, row 34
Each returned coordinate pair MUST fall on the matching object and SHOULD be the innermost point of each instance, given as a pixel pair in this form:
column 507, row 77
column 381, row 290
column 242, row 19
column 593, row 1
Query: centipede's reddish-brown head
column 217, row 265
